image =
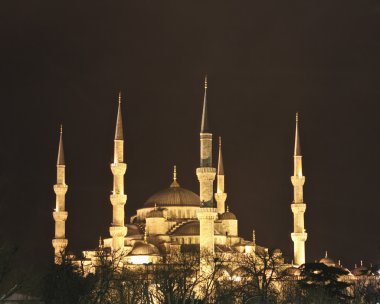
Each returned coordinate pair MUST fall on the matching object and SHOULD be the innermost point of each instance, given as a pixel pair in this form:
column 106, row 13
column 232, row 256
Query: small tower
column 220, row 195
column 299, row 235
column 118, row 198
column 206, row 174
column 60, row 214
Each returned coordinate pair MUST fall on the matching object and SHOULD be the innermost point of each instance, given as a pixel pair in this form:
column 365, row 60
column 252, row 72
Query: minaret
column 118, row 197
column 60, row 214
column 206, row 174
column 254, row 241
column 299, row 235
column 220, row 195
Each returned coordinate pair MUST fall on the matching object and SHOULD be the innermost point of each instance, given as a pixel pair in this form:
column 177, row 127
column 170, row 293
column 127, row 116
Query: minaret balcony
column 299, row 237
column 297, row 181
column 220, row 197
column 118, row 168
column 60, row 216
column 207, row 214
column 60, row 243
column 60, row 189
column 206, row 174
column 118, row 231
column 118, row 199
column 298, row 208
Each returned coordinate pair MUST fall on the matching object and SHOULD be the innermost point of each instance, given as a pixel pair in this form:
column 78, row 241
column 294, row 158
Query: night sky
column 65, row 61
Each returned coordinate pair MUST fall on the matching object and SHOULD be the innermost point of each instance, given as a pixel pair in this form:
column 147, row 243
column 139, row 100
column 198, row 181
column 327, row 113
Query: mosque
column 176, row 219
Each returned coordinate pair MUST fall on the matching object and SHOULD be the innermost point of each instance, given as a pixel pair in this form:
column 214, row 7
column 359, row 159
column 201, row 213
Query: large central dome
column 173, row 196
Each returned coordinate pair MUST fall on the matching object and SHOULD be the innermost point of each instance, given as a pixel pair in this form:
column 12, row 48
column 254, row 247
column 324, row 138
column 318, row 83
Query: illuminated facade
column 176, row 219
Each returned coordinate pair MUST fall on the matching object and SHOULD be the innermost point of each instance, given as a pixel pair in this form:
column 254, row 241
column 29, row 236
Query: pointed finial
column 61, row 154
column 254, row 236
column 326, row 255
column 339, row 263
column 119, row 97
column 145, row 236
column 361, row 262
column 174, row 184
column 297, row 143
column 100, row 242
column 292, row 262
column 204, row 123
column 228, row 208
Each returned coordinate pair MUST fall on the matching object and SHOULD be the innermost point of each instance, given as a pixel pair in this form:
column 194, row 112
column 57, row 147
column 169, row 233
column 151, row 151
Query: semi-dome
column 175, row 195
column 190, row 228
column 155, row 213
column 143, row 248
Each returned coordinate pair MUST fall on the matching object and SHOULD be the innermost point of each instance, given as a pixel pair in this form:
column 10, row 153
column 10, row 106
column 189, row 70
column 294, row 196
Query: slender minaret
column 220, row 195
column 60, row 214
column 299, row 235
column 118, row 197
column 206, row 175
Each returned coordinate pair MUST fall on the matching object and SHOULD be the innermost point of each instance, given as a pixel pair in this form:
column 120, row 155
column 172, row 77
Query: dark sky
column 65, row 61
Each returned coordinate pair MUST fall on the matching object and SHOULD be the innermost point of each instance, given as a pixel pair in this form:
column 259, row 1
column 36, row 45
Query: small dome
column 327, row 261
column 141, row 248
column 227, row 216
column 361, row 271
column 155, row 213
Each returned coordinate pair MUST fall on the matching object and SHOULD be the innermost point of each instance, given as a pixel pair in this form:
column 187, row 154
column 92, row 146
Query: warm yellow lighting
column 140, row 259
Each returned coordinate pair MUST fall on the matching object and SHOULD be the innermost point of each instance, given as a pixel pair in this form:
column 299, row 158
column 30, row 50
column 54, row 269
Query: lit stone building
column 176, row 219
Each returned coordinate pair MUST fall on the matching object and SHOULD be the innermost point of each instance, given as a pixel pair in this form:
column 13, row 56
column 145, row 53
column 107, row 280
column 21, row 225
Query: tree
column 64, row 283
column 324, row 284
column 176, row 278
column 259, row 276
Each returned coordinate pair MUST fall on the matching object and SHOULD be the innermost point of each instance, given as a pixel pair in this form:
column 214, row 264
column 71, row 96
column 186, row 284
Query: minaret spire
column 118, row 197
column 61, row 154
column 299, row 236
column 119, row 122
column 204, row 123
column 60, row 214
column 220, row 195
column 297, row 143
